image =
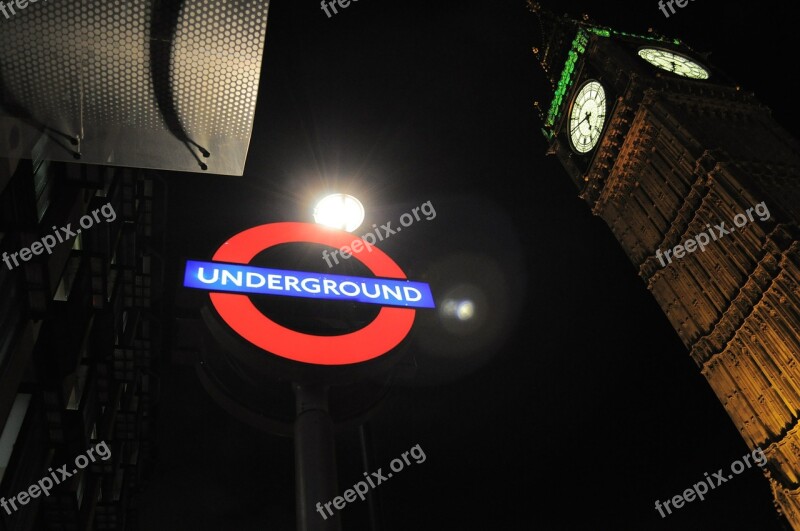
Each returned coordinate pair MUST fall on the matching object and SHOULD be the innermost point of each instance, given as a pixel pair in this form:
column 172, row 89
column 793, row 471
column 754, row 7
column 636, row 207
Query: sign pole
column 367, row 458
column 314, row 460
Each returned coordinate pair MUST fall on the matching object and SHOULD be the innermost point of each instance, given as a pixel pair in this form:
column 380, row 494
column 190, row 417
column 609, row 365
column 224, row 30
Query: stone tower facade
column 701, row 187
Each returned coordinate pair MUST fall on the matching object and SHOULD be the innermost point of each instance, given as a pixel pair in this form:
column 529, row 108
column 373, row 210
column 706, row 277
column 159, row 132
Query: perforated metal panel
column 144, row 83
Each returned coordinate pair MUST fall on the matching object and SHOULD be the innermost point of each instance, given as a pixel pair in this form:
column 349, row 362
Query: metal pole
column 314, row 460
column 368, row 461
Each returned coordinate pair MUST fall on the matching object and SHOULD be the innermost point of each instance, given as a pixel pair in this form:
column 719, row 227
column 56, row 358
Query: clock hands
column 588, row 115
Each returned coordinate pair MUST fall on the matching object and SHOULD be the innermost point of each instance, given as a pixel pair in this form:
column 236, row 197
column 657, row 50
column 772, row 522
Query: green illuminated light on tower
column 601, row 32
column 579, row 47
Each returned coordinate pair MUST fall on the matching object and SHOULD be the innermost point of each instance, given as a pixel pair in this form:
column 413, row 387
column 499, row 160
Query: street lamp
column 314, row 439
column 340, row 211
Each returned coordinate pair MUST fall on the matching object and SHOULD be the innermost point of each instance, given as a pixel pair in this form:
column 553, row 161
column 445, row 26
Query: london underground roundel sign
column 232, row 281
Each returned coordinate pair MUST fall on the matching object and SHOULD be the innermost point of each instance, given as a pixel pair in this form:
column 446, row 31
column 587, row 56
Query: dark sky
column 573, row 405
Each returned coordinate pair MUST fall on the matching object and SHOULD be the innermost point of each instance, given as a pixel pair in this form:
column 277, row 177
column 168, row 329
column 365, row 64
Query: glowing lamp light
column 339, row 211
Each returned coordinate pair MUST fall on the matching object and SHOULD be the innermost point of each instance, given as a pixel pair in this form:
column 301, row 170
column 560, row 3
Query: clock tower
column 673, row 156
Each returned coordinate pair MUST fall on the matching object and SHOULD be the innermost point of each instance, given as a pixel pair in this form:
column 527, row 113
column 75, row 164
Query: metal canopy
column 168, row 84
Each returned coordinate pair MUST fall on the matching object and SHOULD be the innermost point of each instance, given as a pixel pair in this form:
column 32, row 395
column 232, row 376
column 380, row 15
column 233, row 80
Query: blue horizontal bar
column 217, row 276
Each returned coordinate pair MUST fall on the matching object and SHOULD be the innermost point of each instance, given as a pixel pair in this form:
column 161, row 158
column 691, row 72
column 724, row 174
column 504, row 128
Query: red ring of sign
column 384, row 333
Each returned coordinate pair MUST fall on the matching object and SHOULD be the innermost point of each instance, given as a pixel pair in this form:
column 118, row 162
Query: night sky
column 571, row 403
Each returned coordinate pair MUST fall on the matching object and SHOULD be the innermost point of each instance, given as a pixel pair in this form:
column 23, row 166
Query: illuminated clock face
column 673, row 62
column 587, row 116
